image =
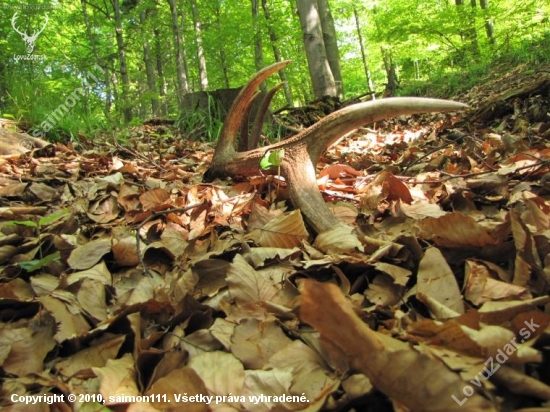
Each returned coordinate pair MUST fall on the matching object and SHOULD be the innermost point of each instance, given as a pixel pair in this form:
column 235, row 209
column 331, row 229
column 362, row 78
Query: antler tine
column 244, row 99
column 243, row 139
column 225, row 149
column 254, row 138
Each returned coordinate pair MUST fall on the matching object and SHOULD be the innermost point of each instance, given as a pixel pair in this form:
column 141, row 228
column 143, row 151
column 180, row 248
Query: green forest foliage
column 438, row 48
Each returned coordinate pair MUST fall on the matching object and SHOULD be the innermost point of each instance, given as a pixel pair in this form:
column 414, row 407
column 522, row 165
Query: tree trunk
column 321, row 76
column 489, row 23
column 181, row 79
column 468, row 33
column 277, row 53
column 200, row 48
column 258, row 47
column 160, row 74
column 368, row 76
column 331, row 45
column 301, row 152
column 100, row 62
column 223, row 59
column 149, row 69
column 126, row 105
column 393, row 83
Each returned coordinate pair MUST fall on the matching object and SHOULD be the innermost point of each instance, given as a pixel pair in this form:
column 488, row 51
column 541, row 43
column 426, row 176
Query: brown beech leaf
column 501, row 312
column 84, row 257
column 273, row 382
column 386, row 186
column 489, row 341
column 246, row 285
column 117, row 378
column 154, row 198
column 309, row 372
column 91, row 297
column 480, row 287
column 284, row 231
column 254, row 342
column 339, row 239
column 421, row 209
column 71, row 322
column 104, row 210
column 177, row 383
column 212, row 275
column 334, row 171
column 99, row 272
column 125, row 252
column 436, row 280
column 26, row 344
column 222, row 373
column 258, row 255
column 95, row 356
column 455, row 230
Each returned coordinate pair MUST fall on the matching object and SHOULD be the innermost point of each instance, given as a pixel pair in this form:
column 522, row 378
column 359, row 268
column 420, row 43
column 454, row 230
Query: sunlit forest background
column 125, row 61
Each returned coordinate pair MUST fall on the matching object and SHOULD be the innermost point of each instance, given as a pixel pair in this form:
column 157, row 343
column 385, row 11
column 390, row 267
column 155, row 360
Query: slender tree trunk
column 160, row 73
column 319, row 67
column 223, row 59
column 181, row 79
column 149, row 65
column 368, row 75
column 468, row 33
column 258, row 46
column 393, row 82
column 277, row 53
column 100, row 62
column 200, row 48
column 331, row 45
column 489, row 23
column 127, row 107
column 181, row 25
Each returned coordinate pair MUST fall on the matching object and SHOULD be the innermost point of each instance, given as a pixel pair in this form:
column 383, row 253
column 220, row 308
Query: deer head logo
column 29, row 40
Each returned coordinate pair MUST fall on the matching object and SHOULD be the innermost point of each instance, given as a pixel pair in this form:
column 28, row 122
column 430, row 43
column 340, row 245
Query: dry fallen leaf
column 455, row 230
column 436, row 280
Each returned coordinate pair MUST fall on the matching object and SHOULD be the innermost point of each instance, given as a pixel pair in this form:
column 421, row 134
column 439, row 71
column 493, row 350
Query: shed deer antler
column 29, row 40
column 303, row 150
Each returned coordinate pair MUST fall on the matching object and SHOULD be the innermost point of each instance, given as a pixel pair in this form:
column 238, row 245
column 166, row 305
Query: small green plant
column 272, row 158
column 43, row 261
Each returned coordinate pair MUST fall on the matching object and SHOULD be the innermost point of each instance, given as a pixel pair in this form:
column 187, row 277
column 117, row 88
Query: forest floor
column 122, row 274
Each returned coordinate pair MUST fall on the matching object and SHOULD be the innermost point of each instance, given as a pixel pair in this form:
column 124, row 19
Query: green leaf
column 36, row 264
column 272, row 158
column 46, row 220
column 23, row 223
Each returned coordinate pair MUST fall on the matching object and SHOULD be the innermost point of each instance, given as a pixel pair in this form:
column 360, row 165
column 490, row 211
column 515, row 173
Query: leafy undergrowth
column 123, row 275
